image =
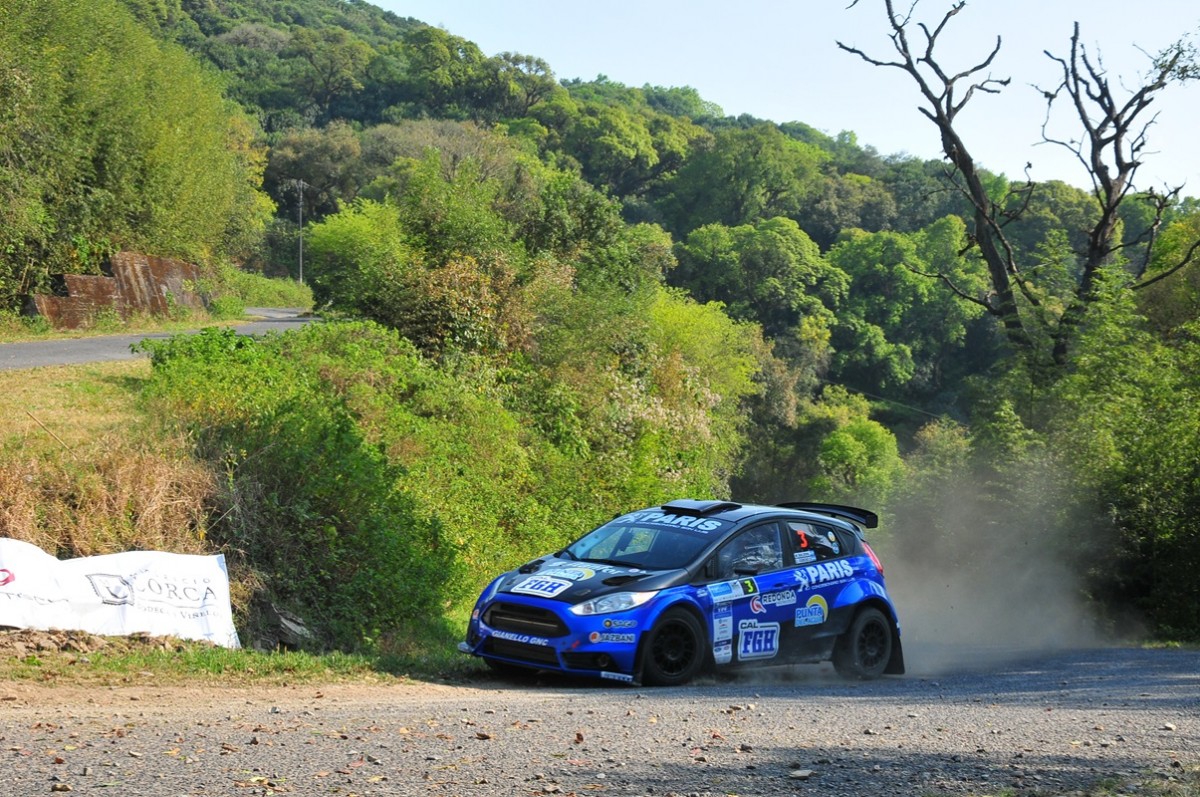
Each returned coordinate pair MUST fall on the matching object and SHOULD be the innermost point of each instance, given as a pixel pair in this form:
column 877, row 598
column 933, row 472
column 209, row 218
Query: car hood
column 573, row 581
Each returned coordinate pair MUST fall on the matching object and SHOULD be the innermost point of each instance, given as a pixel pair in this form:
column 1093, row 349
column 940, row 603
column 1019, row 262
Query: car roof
column 853, row 518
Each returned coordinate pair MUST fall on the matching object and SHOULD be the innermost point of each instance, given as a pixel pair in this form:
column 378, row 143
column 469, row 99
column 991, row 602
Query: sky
column 779, row 60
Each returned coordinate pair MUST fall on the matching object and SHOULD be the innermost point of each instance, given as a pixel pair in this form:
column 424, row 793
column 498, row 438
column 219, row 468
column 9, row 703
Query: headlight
column 617, row 602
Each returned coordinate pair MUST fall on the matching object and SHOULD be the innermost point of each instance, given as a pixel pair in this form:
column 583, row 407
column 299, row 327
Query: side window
column 813, row 543
column 756, row 550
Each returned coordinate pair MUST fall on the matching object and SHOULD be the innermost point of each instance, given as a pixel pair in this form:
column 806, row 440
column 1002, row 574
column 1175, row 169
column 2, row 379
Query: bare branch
column 1187, row 258
column 937, row 275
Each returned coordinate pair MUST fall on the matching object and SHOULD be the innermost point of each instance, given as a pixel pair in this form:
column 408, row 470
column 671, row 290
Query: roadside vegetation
column 228, row 295
column 556, row 300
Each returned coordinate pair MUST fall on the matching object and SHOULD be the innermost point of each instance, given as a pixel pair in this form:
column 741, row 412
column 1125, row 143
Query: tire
column 863, row 652
column 673, row 652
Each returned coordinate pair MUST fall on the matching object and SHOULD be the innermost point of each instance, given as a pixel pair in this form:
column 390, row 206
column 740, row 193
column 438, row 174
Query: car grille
column 520, row 650
column 521, row 619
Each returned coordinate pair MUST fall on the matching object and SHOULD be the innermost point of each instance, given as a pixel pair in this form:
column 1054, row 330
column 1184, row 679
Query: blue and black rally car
column 657, row 595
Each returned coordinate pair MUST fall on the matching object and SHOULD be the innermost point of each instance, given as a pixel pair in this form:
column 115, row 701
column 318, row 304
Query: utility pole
column 300, row 185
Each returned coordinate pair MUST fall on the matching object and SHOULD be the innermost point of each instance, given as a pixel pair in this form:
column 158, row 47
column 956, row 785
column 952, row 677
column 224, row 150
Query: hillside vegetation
column 553, row 301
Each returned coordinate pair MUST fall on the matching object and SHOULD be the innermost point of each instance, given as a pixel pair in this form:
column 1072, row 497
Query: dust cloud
column 983, row 588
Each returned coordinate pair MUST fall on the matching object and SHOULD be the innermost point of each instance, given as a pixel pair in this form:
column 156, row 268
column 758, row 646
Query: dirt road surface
column 1045, row 723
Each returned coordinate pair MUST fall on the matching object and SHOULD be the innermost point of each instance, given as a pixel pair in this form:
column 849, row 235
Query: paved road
column 73, row 351
column 1049, row 724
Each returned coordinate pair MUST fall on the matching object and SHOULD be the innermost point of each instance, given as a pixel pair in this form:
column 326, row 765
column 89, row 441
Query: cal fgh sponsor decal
column 757, row 640
column 824, row 573
column 545, row 586
column 815, row 612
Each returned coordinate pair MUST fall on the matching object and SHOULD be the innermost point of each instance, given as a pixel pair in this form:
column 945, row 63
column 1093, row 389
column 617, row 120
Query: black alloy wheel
column 673, row 651
column 863, row 652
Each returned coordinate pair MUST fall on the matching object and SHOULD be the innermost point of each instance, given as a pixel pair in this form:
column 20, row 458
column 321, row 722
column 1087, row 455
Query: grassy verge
column 115, row 661
column 66, row 406
column 16, row 329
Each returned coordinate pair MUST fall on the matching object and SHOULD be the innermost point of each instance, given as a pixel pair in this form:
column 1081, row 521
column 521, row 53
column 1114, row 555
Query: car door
column 820, row 570
column 745, row 569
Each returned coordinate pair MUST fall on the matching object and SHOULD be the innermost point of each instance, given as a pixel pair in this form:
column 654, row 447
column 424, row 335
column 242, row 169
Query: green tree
column 1126, row 432
column 1109, row 142
column 112, row 140
column 326, row 160
column 336, row 62
column 898, row 331
column 743, row 177
column 769, row 272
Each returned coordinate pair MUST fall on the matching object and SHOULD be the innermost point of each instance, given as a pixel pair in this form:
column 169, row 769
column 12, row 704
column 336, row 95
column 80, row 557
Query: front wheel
column 863, row 652
column 673, row 652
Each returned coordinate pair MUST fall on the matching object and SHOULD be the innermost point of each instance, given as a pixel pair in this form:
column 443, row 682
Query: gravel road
column 1047, row 723
column 103, row 348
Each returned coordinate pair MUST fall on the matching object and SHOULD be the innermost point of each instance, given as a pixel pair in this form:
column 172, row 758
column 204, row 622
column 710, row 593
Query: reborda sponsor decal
column 757, row 640
column 815, row 612
column 616, row 639
column 759, row 603
column 544, row 586
column 653, row 518
column 824, row 573
column 6, row 577
column 785, row 598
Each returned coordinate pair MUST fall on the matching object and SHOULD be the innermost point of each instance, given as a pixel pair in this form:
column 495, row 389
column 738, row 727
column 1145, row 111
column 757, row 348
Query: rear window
column 815, row 543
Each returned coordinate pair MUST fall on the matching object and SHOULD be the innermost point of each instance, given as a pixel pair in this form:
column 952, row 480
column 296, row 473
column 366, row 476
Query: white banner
column 152, row 592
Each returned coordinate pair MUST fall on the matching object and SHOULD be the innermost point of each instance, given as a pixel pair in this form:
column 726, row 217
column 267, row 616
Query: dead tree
column 1110, row 147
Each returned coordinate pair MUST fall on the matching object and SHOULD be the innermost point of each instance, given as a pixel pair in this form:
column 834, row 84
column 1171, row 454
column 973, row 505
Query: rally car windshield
column 633, row 545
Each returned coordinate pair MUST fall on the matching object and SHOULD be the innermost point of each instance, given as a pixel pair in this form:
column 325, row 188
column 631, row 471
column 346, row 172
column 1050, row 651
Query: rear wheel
column 673, row 652
column 863, row 652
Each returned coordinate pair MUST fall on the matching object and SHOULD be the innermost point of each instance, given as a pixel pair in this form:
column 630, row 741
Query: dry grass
column 64, row 407
column 80, row 472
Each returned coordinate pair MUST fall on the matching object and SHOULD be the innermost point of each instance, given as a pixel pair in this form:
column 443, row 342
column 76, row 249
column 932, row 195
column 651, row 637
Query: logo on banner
column 113, row 590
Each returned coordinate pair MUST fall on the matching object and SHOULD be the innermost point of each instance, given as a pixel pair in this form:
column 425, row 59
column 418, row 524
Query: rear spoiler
column 860, row 517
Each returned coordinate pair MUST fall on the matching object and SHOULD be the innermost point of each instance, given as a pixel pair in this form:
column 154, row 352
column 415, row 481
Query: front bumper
column 541, row 634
